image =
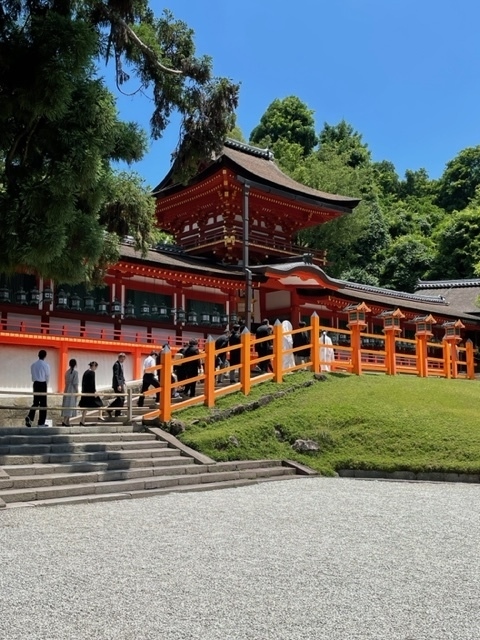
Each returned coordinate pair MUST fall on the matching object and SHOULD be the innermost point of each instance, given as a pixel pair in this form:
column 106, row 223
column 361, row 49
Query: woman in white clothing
column 288, row 359
column 326, row 352
column 71, row 386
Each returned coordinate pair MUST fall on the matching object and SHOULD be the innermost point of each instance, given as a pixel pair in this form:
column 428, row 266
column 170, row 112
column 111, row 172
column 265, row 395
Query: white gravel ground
column 313, row 558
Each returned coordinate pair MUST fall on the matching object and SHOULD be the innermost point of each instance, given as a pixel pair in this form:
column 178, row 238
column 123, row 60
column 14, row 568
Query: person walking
column 301, row 339
column 235, row 355
column 118, row 386
column 221, row 360
column 264, row 348
column 69, row 402
column 89, row 387
column 149, row 379
column 190, row 369
column 40, row 372
column 327, row 355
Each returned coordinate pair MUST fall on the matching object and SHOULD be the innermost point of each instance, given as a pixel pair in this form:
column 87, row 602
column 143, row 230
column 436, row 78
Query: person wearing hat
column 149, row 379
column 118, row 386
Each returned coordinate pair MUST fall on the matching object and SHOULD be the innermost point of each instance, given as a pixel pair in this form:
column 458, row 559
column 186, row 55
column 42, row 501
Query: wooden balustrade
column 355, row 351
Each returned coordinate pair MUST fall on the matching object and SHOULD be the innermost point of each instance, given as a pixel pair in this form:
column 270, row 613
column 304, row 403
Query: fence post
column 129, row 404
column 356, row 349
column 315, row 342
column 470, row 360
column 245, row 378
column 165, row 406
column 209, row 371
column 277, row 351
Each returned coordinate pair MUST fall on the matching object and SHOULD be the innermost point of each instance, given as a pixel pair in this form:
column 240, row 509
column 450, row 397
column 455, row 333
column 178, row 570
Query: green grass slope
column 380, row 422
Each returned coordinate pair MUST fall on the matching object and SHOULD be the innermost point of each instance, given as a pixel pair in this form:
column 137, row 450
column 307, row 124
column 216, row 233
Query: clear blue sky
column 404, row 73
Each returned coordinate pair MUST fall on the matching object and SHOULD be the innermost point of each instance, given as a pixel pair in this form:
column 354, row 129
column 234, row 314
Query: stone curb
column 300, row 469
column 424, row 476
column 172, row 441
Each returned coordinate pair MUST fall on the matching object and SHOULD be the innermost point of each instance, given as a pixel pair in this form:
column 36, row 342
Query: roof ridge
column 393, row 293
column 248, row 148
column 453, row 284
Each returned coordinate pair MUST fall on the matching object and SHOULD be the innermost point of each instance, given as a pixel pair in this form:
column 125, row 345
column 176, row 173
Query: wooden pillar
column 165, row 406
column 315, row 342
column 209, row 370
column 245, row 378
column 277, row 351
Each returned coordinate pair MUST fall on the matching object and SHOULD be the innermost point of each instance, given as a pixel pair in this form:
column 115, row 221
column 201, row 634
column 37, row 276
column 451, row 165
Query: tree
column 457, row 241
column 344, row 140
column 459, row 180
column 63, row 208
column 407, row 260
column 290, row 120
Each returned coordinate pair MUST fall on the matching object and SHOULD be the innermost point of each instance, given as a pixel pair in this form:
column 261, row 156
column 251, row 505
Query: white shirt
column 149, row 362
column 40, row 371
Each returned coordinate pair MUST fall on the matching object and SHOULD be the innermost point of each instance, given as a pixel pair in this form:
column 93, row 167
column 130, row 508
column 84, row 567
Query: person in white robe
column 326, row 352
column 288, row 359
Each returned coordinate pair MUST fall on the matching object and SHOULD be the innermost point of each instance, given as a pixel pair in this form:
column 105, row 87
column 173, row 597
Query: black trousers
column 40, row 402
column 149, row 380
column 119, row 401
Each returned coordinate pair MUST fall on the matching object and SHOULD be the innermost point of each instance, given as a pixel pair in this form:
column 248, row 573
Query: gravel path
column 311, row 558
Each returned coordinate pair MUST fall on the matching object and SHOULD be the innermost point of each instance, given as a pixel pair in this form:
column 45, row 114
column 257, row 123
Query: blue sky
column 404, row 73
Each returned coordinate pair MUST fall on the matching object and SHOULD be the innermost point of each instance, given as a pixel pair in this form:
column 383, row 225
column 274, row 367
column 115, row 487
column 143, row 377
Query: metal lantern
column 233, row 318
column 224, row 319
column 34, row 297
column 154, row 309
column 215, row 318
column 89, row 303
column 115, row 307
column 62, row 300
column 75, row 302
column 163, row 312
column 47, row 294
column 21, row 296
column 145, row 309
column 181, row 316
column 4, row 294
column 130, row 310
column 204, row 318
column 102, row 308
column 192, row 317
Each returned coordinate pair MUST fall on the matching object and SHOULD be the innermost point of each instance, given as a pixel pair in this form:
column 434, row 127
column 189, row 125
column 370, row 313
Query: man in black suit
column 264, row 348
column 118, row 385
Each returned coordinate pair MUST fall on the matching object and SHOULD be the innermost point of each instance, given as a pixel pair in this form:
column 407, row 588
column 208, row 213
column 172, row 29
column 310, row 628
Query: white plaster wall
column 72, row 327
column 94, row 330
column 15, row 369
column 31, row 323
column 277, row 300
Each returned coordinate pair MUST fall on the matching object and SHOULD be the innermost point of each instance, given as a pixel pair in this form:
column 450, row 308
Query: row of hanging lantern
column 73, row 302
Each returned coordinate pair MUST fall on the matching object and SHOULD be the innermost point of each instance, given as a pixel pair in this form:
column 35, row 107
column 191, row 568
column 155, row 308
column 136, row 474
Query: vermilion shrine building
column 234, row 226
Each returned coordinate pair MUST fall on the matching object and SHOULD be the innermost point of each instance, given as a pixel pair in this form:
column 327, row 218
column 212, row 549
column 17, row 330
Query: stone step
column 74, row 447
column 52, row 458
column 79, row 437
column 144, row 486
column 92, row 428
column 105, row 497
column 83, row 467
column 108, row 475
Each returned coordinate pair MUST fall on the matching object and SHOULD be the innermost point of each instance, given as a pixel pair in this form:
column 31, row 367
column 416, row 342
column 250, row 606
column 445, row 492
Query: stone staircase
column 65, row 465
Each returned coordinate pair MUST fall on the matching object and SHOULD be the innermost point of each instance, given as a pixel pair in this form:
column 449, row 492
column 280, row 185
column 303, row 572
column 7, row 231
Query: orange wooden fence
column 352, row 351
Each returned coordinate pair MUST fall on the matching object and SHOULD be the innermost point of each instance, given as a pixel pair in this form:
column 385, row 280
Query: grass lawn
column 380, row 422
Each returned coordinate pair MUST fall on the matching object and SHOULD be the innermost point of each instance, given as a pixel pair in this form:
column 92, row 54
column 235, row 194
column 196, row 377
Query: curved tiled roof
column 253, row 163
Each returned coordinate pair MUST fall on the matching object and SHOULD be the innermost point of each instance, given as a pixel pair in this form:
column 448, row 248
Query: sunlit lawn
column 364, row 422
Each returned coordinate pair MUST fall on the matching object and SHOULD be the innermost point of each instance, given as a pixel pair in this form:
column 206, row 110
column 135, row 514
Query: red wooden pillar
column 453, row 337
column 165, row 406
column 209, row 370
column 356, row 323
column 391, row 327
column 422, row 333
column 245, row 377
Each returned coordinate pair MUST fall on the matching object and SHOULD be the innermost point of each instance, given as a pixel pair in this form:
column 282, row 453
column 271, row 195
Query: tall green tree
column 458, row 184
column 63, row 208
column 289, row 120
column 346, row 142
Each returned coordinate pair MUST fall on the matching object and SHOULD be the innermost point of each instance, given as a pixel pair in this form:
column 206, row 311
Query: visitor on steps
column 89, row 387
column 40, row 372
column 69, row 402
column 149, row 379
column 118, row 386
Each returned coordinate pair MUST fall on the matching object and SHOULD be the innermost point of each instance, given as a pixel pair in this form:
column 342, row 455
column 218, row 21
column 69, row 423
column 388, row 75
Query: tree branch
column 141, row 45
